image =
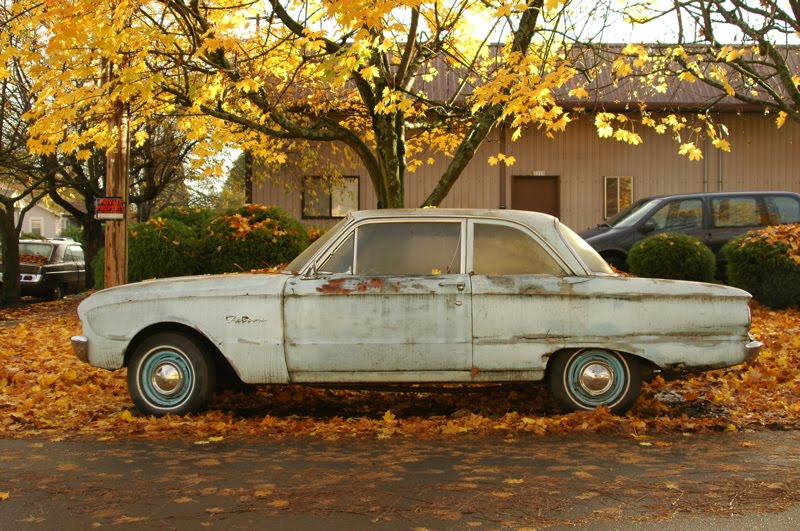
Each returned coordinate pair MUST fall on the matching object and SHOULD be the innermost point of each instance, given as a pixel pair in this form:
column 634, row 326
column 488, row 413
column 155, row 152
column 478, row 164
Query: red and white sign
column 109, row 208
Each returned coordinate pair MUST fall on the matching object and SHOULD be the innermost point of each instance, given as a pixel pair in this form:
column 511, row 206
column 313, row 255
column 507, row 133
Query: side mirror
column 648, row 227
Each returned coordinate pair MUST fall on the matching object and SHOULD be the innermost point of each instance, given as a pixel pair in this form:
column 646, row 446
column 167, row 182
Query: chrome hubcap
column 167, row 378
column 596, row 378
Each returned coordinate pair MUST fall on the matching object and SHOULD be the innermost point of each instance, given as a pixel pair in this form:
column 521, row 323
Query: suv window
column 503, row 250
column 680, row 215
column 400, row 248
column 738, row 212
column 784, row 209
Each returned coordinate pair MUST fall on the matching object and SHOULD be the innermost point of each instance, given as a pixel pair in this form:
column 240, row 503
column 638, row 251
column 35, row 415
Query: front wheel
column 170, row 373
column 589, row 378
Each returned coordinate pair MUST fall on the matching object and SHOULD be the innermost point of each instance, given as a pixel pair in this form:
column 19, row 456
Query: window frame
column 31, row 229
column 542, row 242
column 608, row 213
column 334, row 246
column 330, row 204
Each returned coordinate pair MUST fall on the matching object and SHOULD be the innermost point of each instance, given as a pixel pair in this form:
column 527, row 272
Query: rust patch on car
column 346, row 286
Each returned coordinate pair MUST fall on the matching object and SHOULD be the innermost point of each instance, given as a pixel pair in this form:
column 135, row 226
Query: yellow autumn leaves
column 46, row 392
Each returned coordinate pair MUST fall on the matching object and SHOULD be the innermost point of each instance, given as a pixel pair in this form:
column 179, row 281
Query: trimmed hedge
column 197, row 219
column 161, row 248
column 242, row 239
column 673, row 256
column 158, row 248
column 252, row 237
column 766, row 263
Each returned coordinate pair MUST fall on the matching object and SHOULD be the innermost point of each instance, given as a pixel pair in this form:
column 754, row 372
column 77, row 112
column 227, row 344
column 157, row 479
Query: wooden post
column 117, row 167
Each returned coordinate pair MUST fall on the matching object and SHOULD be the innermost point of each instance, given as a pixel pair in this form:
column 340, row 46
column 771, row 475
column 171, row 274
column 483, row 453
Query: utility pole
column 117, row 169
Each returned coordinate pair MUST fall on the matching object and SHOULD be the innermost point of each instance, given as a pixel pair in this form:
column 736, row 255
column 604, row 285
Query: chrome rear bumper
column 80, row 346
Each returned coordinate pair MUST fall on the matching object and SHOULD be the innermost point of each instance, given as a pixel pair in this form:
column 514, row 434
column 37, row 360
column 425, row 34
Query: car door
column 79, row 261
column 520, row 297
column 388, row 297
column 683, row 216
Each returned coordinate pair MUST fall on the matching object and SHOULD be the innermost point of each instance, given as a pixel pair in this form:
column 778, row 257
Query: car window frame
column 352, row 229
column 535, row 236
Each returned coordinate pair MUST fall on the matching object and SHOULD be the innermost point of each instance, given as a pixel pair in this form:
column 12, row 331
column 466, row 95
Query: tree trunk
column 10, row 243
column 390, row 146
column 93, row 241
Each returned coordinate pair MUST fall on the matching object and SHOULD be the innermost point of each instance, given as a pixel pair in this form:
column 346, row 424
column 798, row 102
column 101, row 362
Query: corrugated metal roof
column 608, row 93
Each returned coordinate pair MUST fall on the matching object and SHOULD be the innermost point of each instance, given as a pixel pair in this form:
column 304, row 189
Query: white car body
column 312, row 326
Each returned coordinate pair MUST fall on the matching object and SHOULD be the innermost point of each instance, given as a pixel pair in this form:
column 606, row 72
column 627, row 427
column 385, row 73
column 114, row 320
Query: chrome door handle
column 459, row 285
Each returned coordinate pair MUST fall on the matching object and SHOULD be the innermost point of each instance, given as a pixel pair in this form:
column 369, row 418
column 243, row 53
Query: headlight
column 30, row 278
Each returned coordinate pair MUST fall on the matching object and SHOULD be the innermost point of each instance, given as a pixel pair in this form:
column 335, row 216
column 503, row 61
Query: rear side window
column 783, row 209
column 504, row 250
column 738, row 212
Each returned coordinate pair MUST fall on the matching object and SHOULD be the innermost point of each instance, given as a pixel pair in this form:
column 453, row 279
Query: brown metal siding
column 762, row 158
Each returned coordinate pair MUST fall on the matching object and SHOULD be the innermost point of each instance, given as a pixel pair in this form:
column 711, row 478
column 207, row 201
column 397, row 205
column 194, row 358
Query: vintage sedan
column 418, row 296
column 50, row 269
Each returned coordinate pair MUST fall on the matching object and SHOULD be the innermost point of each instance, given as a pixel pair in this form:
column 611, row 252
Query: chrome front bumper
column 752, row 349
column 80, row 346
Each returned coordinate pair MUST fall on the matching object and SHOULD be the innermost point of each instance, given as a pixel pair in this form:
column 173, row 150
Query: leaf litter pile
column 45, row 391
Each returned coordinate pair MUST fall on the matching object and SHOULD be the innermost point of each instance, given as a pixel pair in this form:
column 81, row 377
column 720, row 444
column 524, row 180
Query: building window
column 321, row 200
column 618, row 195
column 36, row 226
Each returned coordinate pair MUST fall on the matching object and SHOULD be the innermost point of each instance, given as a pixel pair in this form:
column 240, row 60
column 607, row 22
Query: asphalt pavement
column 712, row 481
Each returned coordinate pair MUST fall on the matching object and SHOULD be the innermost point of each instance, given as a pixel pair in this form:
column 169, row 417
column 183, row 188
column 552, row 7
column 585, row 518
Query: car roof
column 533, row 219
column 720, row 194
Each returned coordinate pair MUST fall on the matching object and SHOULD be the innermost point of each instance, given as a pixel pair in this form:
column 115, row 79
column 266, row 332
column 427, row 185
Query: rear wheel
column 590, row 378
column 170, row 373
column 56, row 294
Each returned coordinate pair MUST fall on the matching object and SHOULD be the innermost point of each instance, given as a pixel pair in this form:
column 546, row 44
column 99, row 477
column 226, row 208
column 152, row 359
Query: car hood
column 589, row 233
column 209, row 286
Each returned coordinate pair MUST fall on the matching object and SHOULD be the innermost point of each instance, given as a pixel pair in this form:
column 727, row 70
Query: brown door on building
column 540, row 194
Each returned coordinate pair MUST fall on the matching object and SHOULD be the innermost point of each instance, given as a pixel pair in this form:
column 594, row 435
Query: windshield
column 41, row 251
column 302, row 259
column 631, row 215
column 585, row 252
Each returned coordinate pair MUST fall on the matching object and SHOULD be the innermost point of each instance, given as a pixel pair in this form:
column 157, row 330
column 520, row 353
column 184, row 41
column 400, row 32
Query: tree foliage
column 739, row 47
column 356, row 76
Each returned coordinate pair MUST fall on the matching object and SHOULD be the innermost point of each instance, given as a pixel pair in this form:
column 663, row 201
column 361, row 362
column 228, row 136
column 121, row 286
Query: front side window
column 341, row 260
column 504, row 250
column 682, row 215
column 408, row 248
column 76, row 253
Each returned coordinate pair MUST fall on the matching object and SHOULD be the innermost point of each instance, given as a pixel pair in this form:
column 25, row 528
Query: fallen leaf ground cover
column 46, row 392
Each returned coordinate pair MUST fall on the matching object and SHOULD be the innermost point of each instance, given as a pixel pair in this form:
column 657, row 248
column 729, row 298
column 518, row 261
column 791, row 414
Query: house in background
column 577, row 176
column 45, row 222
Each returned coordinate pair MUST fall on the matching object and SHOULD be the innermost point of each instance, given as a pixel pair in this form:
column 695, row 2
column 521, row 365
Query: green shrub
column 252, row 237
column 675, row 256
column 766, row 263
column 76, row 233
column 161, row 248
column 197, row 219
column 158, row 248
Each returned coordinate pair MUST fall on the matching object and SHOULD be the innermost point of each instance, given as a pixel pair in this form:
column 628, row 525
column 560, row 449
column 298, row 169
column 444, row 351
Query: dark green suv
column 713, row 218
